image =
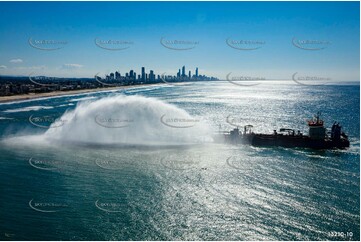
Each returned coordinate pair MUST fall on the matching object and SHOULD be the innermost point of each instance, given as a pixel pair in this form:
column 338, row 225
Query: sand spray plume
column 130, row 120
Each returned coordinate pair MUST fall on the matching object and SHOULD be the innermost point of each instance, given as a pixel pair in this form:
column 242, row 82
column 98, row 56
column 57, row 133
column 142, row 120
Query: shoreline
column 31, row 96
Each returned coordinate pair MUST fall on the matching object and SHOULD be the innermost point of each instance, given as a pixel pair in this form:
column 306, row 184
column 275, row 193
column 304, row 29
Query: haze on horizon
column 265, row 39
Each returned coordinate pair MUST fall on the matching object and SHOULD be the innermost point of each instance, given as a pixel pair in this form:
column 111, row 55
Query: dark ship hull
column 288, row 141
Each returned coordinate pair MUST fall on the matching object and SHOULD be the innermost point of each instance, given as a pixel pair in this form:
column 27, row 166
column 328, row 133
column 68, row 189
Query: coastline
column 31, row 96
column 24, row 97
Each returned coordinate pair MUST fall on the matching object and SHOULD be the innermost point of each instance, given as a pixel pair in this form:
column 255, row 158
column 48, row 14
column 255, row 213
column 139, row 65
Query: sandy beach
column 30, row 96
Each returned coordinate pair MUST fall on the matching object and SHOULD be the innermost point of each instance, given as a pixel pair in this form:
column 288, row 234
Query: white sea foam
column 81, row 99
column 66, row 105
column 27, row 109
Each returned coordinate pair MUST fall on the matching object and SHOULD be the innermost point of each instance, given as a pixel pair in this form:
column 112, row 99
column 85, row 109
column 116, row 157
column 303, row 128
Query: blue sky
column 77, row 25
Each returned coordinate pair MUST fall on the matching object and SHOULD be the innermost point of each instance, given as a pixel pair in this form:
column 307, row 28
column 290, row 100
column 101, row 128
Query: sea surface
column 155, row 173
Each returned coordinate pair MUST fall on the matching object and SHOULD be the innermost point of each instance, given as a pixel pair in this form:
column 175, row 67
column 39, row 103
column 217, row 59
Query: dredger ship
column 317, row 137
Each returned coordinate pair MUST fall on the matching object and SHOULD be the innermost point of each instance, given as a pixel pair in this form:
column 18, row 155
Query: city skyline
column 10, row 85
column 153, row 76
column 237, row 37
column 139, row 76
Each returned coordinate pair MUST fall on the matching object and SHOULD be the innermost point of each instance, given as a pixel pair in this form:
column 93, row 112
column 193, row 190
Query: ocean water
column 140, row 164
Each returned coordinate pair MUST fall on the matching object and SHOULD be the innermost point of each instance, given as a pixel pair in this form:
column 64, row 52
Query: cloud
column 15, row 61
column 3, row 67
column 72, row 66
column 30, row 67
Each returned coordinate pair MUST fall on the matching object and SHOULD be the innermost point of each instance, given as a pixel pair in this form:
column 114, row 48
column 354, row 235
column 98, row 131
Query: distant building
column 196, row 72
column 117, row 75
column 184, row 71
column 189, row 74
column 151, row 76
column 143, row 74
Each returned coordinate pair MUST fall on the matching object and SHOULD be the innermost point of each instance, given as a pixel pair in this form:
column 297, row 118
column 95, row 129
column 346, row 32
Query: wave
column 66, row 105
column 27, row 109
column 81, row 99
